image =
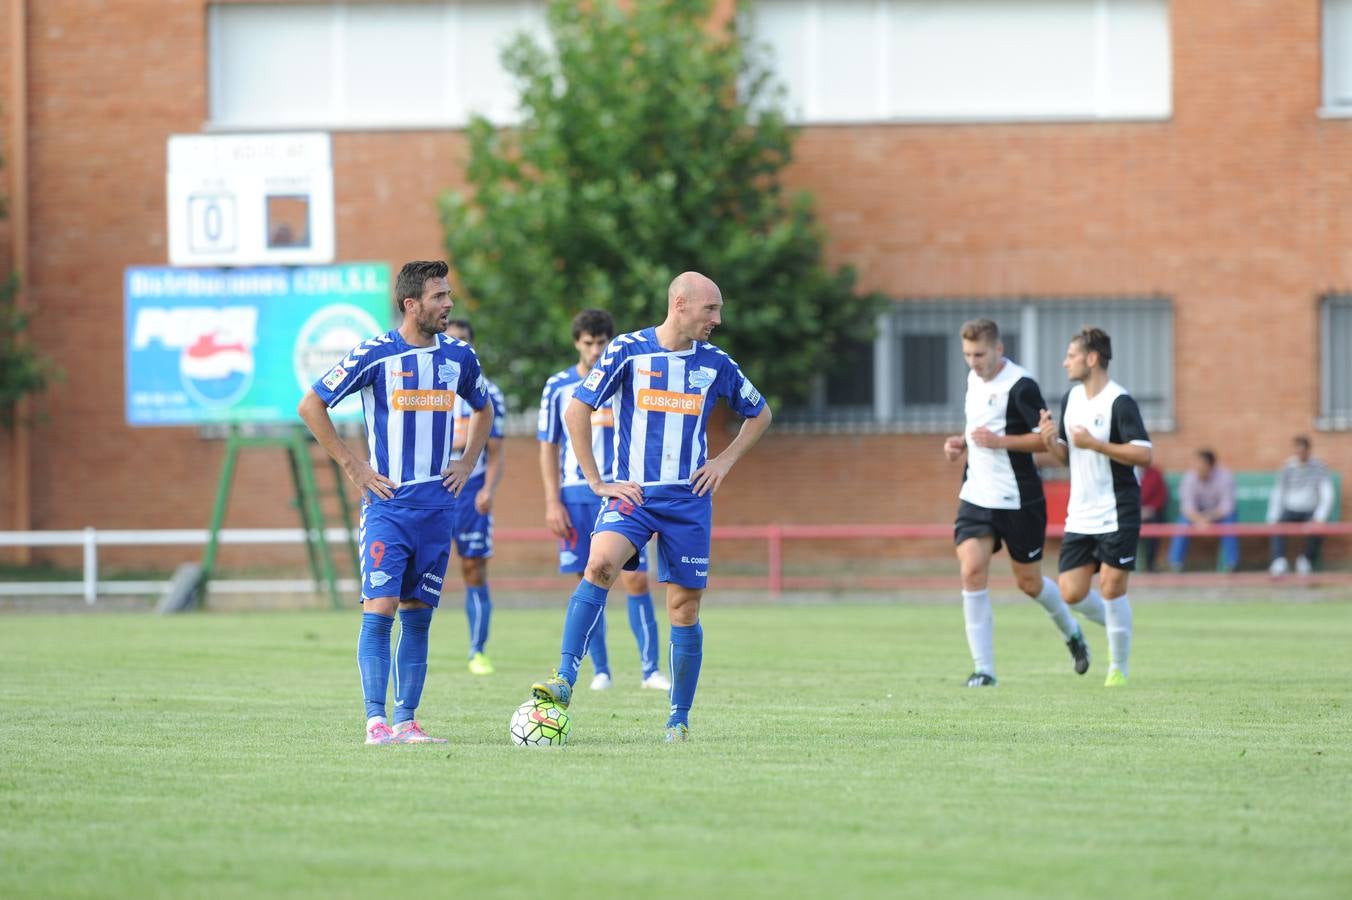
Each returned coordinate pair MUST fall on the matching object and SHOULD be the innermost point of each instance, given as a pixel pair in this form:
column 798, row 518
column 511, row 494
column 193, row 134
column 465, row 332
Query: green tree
column 651, row 142
column 22, row 370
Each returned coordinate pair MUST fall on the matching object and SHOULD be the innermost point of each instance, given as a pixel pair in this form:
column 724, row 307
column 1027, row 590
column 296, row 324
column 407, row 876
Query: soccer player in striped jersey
column 473, row 530
column 1103, row 438
column 1001, row 498
column 408, row 379
column 570, row 506
column 666, row 381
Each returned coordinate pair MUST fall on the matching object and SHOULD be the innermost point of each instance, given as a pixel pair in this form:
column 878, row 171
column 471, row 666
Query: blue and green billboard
column 243, row 345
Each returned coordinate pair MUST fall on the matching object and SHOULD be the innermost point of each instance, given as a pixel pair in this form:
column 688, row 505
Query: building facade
column 1175, row 171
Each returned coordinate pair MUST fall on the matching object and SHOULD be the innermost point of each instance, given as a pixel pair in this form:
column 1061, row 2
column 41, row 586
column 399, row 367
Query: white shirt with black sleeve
column 1009, row 404
column 1104, row 494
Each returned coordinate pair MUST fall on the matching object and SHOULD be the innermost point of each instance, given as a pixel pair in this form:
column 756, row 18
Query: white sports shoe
column 1303, row 566
column 1278, row 567
column 657, row 681
column 601, row 682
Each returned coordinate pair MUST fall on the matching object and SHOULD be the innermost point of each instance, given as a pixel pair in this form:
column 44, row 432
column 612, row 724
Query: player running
column 570, row 506
column 1001, row 498
column 666, row 381
column 1103, row 437
column 409, row 379
column 473, row 532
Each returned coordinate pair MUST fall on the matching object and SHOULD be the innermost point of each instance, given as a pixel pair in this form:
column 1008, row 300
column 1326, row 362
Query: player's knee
column 1030, row 584
column 474, row 571
column 601, row 572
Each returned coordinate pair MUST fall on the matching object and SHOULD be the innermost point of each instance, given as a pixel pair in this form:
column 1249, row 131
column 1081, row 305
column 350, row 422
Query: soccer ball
column 539, row 723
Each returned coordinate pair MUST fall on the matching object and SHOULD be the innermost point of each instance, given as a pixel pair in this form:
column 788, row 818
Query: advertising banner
column 243, row 345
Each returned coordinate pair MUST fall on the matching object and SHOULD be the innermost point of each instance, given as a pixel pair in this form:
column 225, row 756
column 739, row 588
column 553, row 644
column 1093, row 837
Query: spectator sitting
column 1154, row 499
column 1303, row 492
column 1206, row 497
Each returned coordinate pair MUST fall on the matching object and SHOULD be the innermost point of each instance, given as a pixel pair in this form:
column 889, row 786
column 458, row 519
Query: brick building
column 1189, row 157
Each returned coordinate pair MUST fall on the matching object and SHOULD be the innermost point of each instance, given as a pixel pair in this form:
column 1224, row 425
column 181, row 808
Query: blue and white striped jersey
column 558, row 391
column 462, row 413
column 408, row 394
column 663, row 399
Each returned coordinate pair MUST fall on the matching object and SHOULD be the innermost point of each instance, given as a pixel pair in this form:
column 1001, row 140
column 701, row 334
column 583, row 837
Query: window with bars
column 1335, row 376
column 919, row 377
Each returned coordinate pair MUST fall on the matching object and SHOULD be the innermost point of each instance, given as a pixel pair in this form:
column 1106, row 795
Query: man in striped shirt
column 665, row 380
column 473, row 530
column 571, row 508
column 408, row 379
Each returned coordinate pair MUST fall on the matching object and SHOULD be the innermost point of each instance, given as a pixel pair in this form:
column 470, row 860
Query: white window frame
column 339, row 118
column 1100, row 110
column 1332, row 418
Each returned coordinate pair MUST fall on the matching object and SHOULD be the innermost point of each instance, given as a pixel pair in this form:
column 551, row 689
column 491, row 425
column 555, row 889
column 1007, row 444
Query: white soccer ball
column 540, row 723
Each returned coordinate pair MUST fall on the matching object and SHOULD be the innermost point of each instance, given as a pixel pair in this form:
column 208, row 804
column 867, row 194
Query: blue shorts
column 683, row 523
column 574, row 549
column 404, row 551
column 473, row 531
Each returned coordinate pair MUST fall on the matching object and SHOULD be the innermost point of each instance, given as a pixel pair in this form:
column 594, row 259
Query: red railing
column 775, row 536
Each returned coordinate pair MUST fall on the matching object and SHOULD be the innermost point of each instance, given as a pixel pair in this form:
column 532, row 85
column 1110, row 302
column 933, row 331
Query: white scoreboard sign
column 248, row 200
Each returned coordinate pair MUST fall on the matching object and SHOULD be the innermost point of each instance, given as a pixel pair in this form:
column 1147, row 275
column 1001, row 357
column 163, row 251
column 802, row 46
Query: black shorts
column 1024, row 530
column 1116, row 548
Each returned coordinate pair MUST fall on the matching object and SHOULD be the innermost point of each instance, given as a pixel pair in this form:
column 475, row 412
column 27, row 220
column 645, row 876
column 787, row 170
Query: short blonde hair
column 980, row 330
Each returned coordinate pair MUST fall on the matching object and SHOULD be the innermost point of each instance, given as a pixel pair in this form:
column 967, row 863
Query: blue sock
column 373, row 659
column 596, row 647
column 479, row 611
column 687, row 652
column 410, row 661
column 643, row 622
column 584, row 608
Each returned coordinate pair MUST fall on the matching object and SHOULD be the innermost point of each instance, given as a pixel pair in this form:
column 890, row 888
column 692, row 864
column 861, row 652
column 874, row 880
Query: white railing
column 90, row 539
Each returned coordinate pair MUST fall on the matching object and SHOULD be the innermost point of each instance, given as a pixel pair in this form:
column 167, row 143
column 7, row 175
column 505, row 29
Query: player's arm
column 577, row 419
column 493, row 470
column 1018, row 443
column 1126, row 454
column 456, row 474
column 315, row 414
column 556, row 516
column 956, row 445
column 707, row 478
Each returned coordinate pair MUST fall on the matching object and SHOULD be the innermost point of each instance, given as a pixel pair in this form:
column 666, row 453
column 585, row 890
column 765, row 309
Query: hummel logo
column 1126, row 559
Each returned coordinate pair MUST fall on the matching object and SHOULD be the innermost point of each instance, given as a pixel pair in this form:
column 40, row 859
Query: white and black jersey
column 1104, row 494
column 1009, row 404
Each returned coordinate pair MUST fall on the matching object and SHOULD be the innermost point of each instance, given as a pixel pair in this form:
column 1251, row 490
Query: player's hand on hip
column 369, row 481
column 624, row 490
column 953, row 447
column 557, row 521
column 454, row 476
column 707, row 478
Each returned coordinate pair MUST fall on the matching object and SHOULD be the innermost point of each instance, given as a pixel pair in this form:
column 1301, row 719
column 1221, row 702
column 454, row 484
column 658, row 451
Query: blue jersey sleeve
column 549, row 426
column 604, row 378
column 472, row 386
column 741, row 394
column 352, row 373
column 499, row 410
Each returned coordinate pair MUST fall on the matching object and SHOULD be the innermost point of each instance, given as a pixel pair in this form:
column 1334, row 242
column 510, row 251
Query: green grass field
column 834, row 753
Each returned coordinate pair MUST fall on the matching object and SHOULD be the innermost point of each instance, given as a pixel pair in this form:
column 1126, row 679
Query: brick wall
column 1239, row 207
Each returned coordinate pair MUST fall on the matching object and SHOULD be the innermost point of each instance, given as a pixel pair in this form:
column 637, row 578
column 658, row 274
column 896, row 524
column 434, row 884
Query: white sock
column 976, row 610
column 374, row 719
column 1119, row 632
column 1057, row 611
column 1091, row 607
